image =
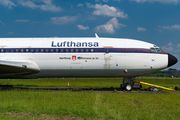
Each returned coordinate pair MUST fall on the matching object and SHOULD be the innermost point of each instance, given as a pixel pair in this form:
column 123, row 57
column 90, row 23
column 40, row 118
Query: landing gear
column 128, row 84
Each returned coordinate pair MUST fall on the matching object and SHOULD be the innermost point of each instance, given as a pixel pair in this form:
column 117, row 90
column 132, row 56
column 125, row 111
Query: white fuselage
column 82, row 57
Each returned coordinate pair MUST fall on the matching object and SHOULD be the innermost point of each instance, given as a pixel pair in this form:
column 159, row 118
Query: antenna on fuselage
column 96, row 35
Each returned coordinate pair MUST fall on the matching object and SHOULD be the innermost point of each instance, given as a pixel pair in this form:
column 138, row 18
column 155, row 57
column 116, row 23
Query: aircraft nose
column 171, row 60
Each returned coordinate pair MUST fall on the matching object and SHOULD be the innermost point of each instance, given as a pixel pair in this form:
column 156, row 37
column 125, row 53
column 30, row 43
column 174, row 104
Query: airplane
column 81, row 57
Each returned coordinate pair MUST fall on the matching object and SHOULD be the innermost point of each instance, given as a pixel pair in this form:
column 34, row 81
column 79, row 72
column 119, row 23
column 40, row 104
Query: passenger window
column 47, row 50
column 71, row 50
column 57, row 50
column 37, row 50
column 27, row 50
column 76, row 50
column 32, row 50
column 22, row 50
column 92, row 50
column 17, row 50
column 82, row 50
column 87, row 50
column 7, row 50
column 2, row 50
column 12, row 50
column 61, row 50
column 42, row 50
column 52, row 50
column 107, row 51
column 67, row 50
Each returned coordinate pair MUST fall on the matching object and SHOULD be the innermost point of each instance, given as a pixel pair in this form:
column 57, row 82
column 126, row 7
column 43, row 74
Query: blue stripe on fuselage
column 78, row 50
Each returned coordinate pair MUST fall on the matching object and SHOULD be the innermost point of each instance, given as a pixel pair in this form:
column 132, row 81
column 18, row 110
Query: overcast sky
column 154, row 21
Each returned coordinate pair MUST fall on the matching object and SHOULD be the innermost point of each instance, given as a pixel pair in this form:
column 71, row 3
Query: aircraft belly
column 80, row 73
column 92, row 73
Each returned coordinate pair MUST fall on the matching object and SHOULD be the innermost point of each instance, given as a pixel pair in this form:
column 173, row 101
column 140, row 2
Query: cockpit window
column 153, row 49
column 156, row 49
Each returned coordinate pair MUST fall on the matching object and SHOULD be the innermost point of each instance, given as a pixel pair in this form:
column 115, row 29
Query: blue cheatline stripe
column 78, row 50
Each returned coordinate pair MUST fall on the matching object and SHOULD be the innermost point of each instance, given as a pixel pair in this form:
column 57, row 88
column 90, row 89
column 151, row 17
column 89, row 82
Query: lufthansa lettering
column 74, row 44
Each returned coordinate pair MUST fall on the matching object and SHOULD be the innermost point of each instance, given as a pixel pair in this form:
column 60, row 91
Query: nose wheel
column 128, row 84
column 128, row 87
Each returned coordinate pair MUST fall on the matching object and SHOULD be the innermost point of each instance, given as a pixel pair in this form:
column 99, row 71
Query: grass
column 170, row 82
column 91, row 104
column 63, row 82
column 45, row 104
column 86, row 82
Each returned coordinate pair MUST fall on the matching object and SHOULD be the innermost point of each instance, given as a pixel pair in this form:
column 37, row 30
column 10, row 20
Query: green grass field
column 85, row 82
column 46, row 104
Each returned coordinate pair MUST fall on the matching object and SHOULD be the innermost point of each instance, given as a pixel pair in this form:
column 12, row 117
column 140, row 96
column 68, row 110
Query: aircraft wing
column 18, row 67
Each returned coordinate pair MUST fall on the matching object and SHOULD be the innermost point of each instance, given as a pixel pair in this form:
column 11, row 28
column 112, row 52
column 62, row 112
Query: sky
column 154, row 21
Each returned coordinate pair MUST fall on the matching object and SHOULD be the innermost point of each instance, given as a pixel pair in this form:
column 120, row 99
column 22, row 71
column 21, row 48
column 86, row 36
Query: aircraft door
column 107, row 58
